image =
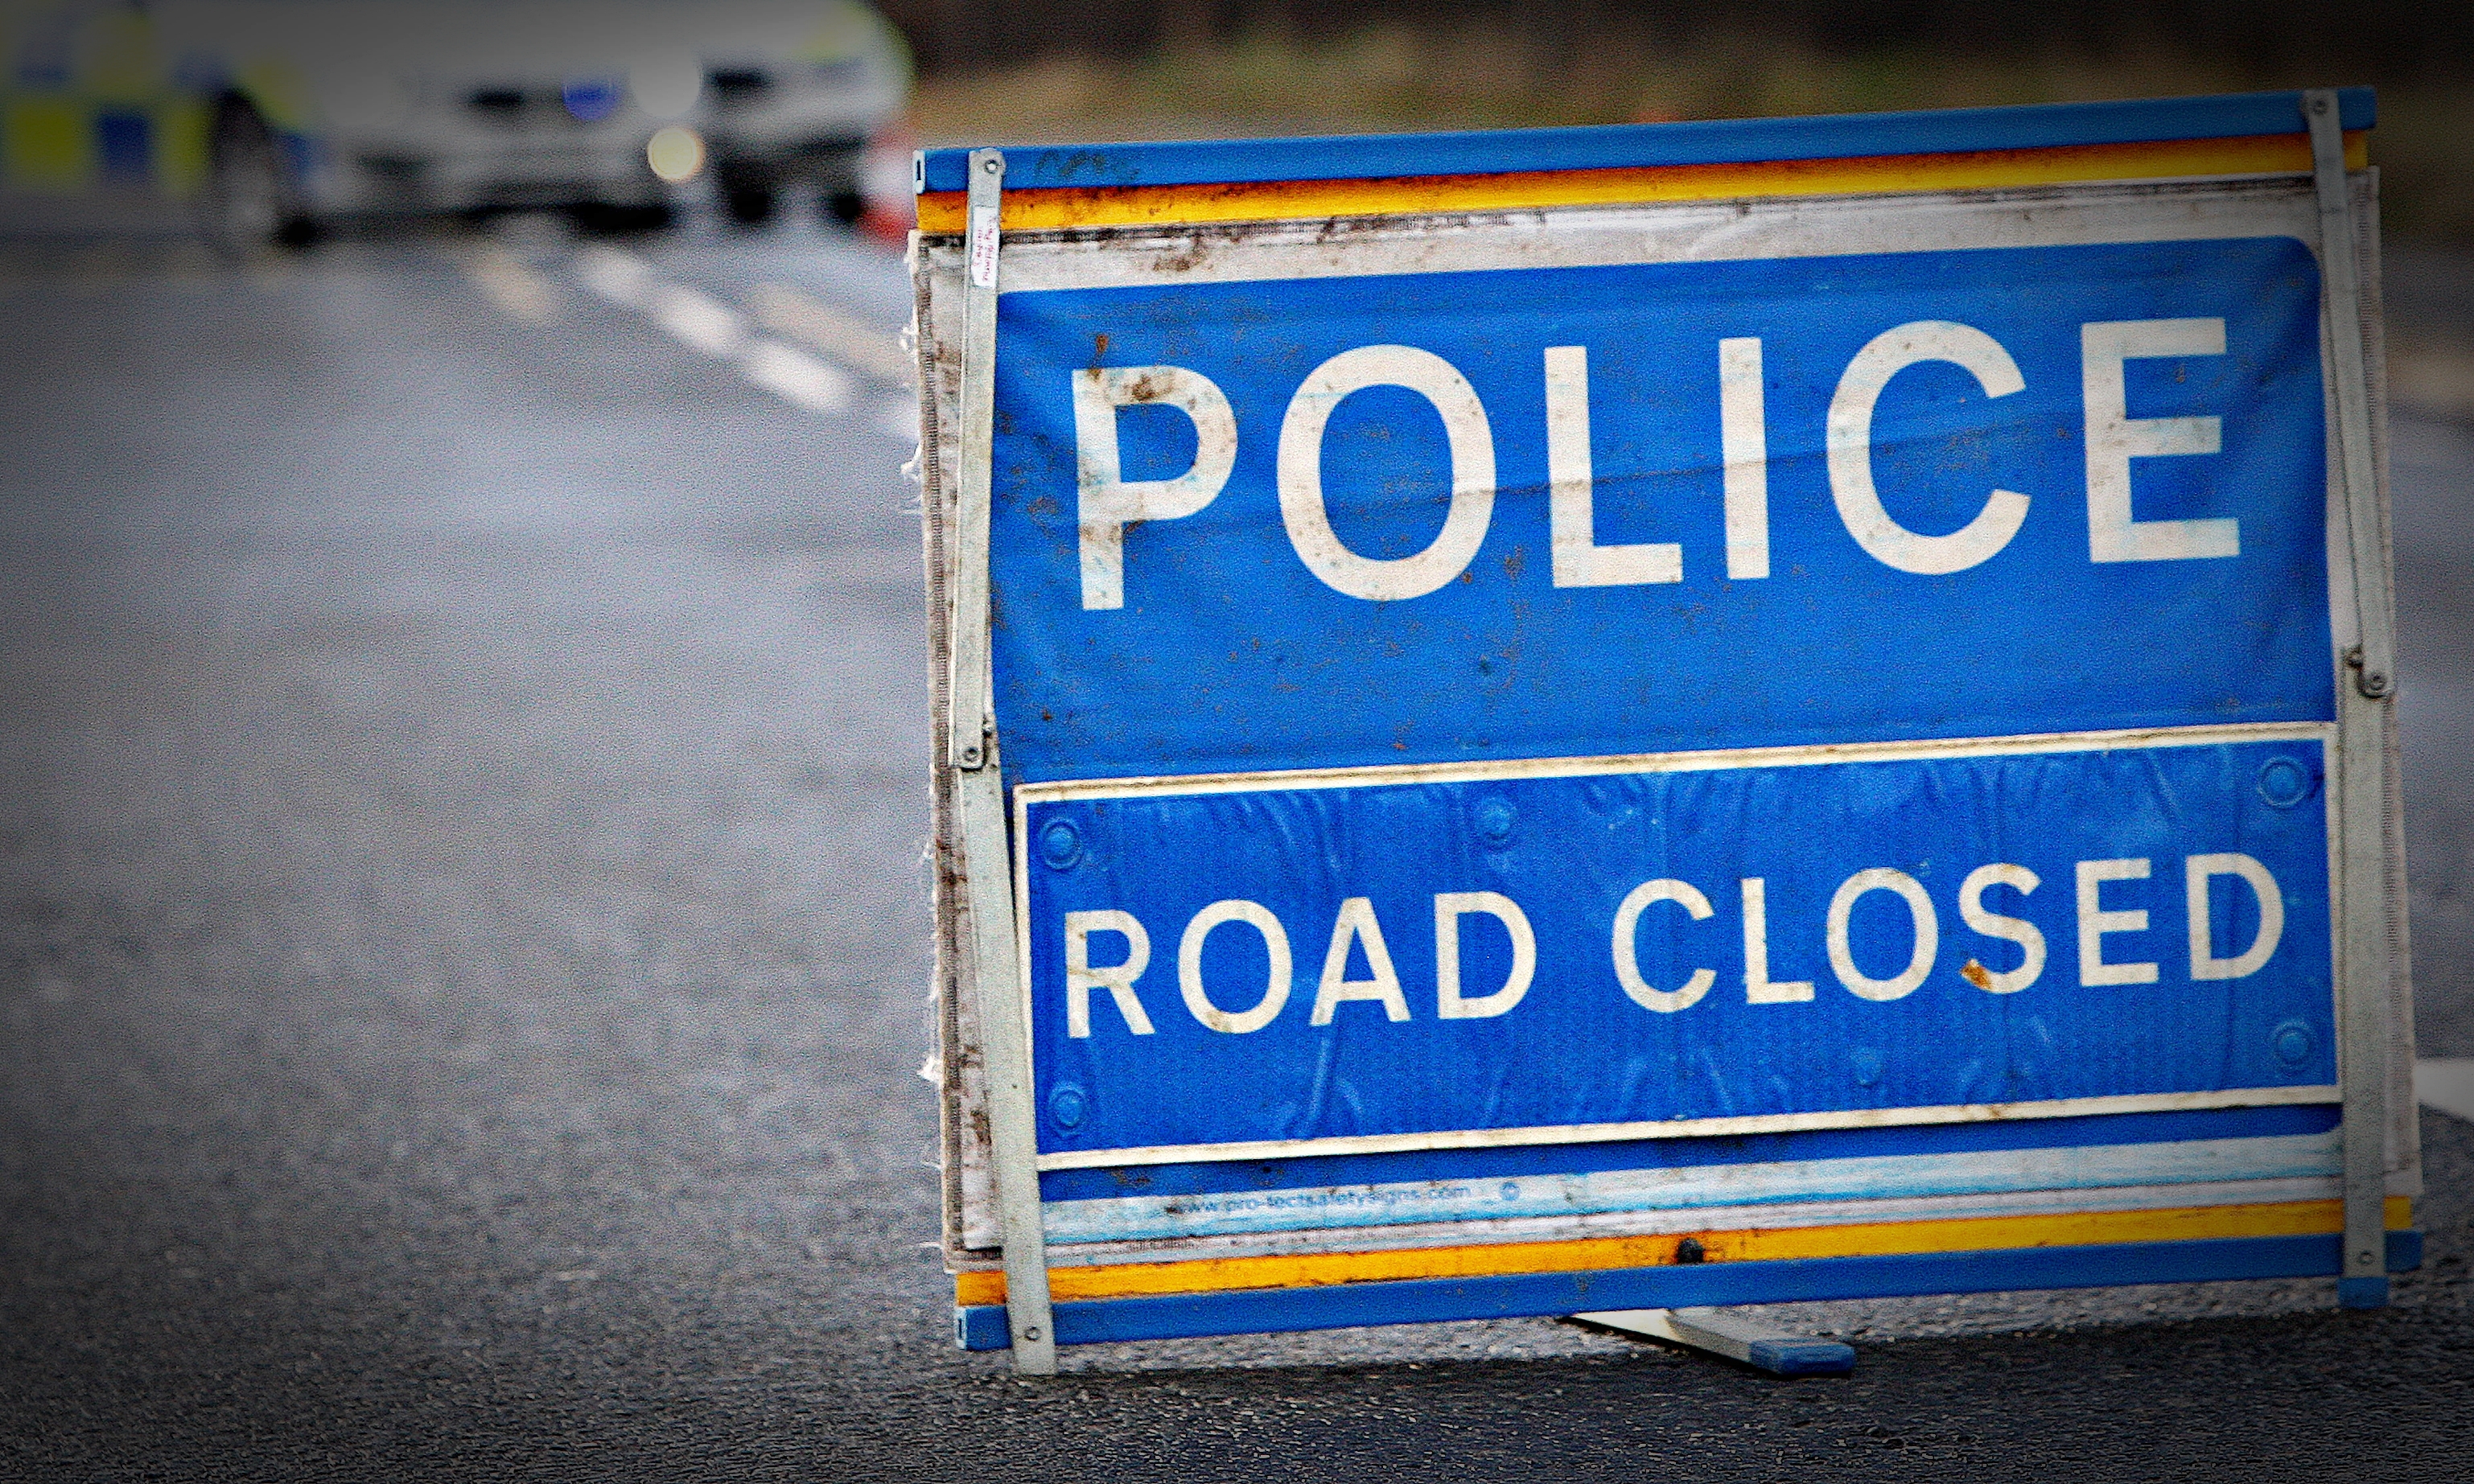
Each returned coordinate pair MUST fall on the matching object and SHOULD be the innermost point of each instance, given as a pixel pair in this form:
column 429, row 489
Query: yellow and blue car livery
column 1177, row 1247
column 102, row 97
column 386, row 106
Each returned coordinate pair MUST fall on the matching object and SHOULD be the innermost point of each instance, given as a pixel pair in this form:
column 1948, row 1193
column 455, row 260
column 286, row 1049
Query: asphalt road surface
column 463, row 947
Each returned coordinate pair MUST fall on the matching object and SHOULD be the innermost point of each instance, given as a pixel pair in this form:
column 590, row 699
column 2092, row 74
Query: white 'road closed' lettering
column 1118, row 979
column 1993, row 924
column 1356, row 924
column 1449, row 908
column 1357, row 930
column 1276, row 983
column 1925, row 923
column 2197, row 870
column 1758, row 989
column 1685, row 894
column 2095, row 921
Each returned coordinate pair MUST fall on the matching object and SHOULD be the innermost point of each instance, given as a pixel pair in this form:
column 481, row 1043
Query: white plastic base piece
column 1723, row 1333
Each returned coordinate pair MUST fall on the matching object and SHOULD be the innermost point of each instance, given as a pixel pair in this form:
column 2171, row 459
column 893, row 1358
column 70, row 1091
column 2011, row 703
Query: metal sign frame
column 991, row 1155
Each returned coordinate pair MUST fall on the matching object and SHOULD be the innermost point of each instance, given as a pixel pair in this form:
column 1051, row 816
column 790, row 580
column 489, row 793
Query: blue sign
column 1572, row 720
column 1648, row 632
column 1701, row 505
column 1656, row 948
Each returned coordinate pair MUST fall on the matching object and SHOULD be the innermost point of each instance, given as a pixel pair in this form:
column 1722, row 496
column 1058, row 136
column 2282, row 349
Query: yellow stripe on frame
column 1969, row 1233
column 1053, row 208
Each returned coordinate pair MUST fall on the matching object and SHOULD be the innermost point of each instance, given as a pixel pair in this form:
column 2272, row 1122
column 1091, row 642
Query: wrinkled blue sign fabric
column 1594, row 702
column 1806, row 501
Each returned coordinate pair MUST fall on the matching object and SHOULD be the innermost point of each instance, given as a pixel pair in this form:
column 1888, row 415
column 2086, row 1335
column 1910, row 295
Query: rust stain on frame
column 1970, row 1233
column 1058, row 209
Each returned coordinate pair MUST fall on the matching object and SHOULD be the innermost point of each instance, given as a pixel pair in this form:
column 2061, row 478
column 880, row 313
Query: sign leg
column 2364, row 714
column 1737, row 1337
column 971, row 746
column 1011, row 1129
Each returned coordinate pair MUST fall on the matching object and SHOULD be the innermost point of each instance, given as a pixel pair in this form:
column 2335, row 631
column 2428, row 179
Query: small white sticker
column 983, row 246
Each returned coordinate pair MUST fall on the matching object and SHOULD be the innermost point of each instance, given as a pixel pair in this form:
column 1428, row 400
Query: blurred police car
column 275, row 115
column 792, row 94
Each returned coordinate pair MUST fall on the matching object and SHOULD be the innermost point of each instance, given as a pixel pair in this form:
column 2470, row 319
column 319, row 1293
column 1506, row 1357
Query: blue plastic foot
column 2362, row 1293
column 1802, row 1357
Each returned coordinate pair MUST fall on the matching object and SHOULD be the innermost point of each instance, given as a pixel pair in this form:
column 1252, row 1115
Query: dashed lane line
column 795, row 376
column 831, row 332
column 698, row 320
column 622, row 278
column 507, row 282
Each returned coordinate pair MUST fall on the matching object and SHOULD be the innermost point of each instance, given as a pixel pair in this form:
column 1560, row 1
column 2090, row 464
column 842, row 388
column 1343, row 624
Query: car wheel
column 249, row 205
column 600, row 218
column 845, row 206
column 748, row 193
column 748, row 205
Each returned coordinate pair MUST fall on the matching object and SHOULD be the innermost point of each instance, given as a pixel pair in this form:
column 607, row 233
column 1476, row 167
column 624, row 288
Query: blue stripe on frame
column 1619, row 146
column 1267, row 1311
column 1319, row 1171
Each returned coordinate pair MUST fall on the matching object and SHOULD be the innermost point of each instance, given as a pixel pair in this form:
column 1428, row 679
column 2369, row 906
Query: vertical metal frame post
column 979, row 799
column 2365, row 717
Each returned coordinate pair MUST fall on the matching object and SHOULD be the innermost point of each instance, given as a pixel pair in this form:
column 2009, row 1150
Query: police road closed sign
column 1795, row 718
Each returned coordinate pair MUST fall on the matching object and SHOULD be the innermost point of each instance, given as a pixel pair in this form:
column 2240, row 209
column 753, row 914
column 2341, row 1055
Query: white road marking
column 700, row 319
column 820, row 383
column 821, row 328
column 520, row 294
column 2447, row 1084
column 797, row 377
column 622, row 278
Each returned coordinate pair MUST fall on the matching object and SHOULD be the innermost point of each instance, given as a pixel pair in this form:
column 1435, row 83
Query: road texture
column 463, row 948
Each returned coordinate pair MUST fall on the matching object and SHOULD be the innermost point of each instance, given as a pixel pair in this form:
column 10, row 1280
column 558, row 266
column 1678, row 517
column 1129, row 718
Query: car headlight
column 676, row 153
column 667, row 86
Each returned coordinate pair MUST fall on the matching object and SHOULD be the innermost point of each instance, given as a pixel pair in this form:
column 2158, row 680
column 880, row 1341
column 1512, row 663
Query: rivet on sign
column 1031, row 1332
column 1494, row 818
column 1060, row 845
column 1066, row 1106
column 2292, row 1041
column 2284, row 783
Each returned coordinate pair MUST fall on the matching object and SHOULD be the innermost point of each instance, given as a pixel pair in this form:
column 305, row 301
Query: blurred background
column 364, row 101
column 1123, row 69
column 463, row 748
